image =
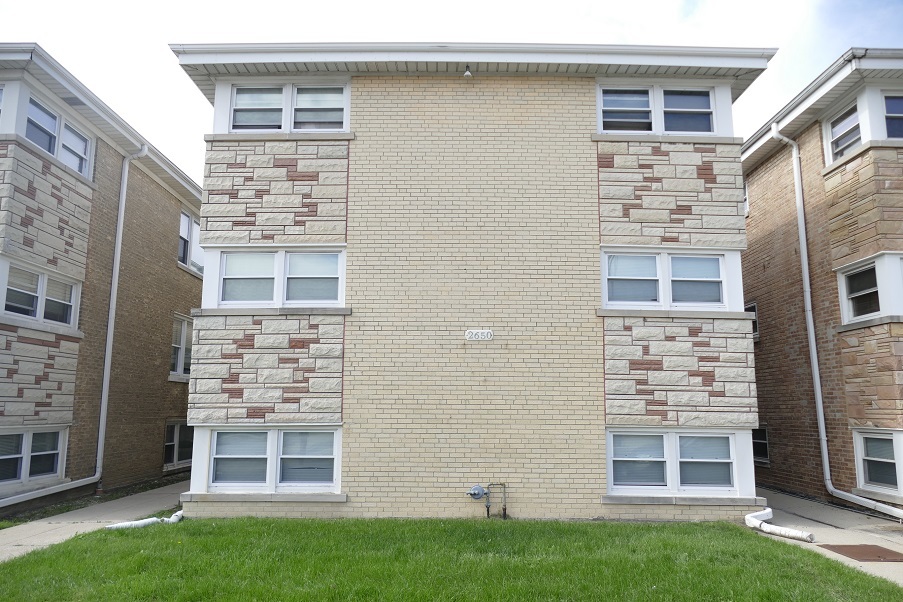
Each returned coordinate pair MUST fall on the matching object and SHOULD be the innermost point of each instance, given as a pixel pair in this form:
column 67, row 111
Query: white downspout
column 810, row 332
column 108, row 352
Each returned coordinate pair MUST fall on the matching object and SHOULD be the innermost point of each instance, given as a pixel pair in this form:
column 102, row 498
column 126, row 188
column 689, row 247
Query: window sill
column 701, row 138
column 664, row 313
column 870, row 322
column 279, row 136
column 329, row 498
column 762, row 463
column 67, row 331
column 882, row 496
column 194, row 273
column 860, row 150
column 178, row 378
column 271, row 311
column 680, row 500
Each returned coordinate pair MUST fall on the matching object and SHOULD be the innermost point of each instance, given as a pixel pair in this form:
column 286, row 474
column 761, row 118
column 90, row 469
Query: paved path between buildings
column 21, row 539
column 829, row 524
column 832, row 525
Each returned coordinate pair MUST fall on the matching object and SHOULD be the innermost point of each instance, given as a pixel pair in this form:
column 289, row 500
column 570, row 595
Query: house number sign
column 478, row 335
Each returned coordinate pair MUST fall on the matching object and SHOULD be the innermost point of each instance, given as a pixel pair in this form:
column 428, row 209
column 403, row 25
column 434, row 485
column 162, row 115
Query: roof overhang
column 34, row 60
column 856, row 67
column 205, row 63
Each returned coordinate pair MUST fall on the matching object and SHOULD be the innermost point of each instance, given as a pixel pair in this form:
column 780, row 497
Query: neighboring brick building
column 435, row 266
column 62, row 153
column 848, row 125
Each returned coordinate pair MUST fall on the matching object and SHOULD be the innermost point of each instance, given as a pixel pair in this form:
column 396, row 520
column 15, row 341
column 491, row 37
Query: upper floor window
column 871, row 288
column 893, row 117
column 752, row 308
column 862, row 292
column 180, row 358
column 33, row 294
column 260, row 279
column 656, row 109
column 190, row 252
column 322, row 108
column 47, row 130
column 844, row 133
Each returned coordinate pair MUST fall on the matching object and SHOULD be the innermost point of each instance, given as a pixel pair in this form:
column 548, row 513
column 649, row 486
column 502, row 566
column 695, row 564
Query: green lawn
column 479, row 560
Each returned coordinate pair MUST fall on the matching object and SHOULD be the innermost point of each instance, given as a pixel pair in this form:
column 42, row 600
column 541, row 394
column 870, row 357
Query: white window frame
column 753, row 308
column 25, row 481
column 177, row 461
column 889, row 274
column 60, row 126
column 729, row 267
column 273, row 457
column 741, row 461
column 719, row 111
column 830, row 138
column 896, row 436
column 224, row 107
column 38, row 320
column 185, row 324
column 213, row 287
column 886, row 116
column 194, row 255
column 766, row 459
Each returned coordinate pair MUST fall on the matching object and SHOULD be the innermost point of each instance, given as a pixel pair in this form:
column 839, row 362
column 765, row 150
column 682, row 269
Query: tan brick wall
column 695, row 372
column 671, row 194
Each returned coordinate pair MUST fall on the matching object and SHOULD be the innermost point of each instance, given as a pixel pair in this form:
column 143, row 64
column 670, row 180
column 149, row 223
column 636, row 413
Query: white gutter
column 108, row 354
column 810, row 333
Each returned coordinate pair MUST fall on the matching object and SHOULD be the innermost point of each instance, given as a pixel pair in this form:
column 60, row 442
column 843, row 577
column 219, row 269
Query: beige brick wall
column 695, row 372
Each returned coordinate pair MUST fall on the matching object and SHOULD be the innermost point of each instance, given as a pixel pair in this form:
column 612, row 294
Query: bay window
column 844, row 133
column 38, row 296
column 893, row 116
column 56, row 136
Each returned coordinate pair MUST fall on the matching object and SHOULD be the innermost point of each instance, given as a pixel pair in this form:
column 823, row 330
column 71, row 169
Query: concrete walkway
column 21, row 539
column 833, row 525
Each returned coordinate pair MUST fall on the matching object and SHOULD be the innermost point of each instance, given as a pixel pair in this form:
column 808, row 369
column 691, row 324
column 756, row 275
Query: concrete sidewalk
column 24, row 538
column 834, row 525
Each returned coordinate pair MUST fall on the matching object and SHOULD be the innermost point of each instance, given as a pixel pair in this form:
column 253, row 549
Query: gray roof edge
column 39, row 58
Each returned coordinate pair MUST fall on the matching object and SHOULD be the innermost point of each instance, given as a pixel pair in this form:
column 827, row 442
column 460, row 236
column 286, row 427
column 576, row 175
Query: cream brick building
column 430, row 267
column 93, row 371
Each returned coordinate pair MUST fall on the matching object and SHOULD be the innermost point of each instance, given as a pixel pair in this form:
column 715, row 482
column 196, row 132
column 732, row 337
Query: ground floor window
column 650, row 462
column 285, row 459
column 760, row 445
column 877, row 460
column 30, row 455
column 177, row 444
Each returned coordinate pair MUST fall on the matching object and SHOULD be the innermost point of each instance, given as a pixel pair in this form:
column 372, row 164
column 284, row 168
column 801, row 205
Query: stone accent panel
column 37, row 377
column 679, row 372
column 45, row 212
column 281, row 192
column 873, row 375
column 671, row 194
column 865, row 205
column 266, row 369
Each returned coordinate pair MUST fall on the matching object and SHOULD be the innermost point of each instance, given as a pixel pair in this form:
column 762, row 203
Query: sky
column 120, row 50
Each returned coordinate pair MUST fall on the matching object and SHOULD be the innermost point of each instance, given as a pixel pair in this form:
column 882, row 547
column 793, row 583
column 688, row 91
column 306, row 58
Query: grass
column 269, row 559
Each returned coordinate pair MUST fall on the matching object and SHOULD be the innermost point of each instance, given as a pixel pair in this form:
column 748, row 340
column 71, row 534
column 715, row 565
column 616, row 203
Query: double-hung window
column 180, row 358
column 190, row 253
column 47, row 130
column 844, row 133
column 871, row 288
column 35, row 295
column 656, row 109
column 298, row 108
column 893, row 116
column 285, row 277
column 671, row 462
column 760, row 445
column 177, row 444
column 862, row 292
column 878, row 467
column 30, row 455
column 663, row 280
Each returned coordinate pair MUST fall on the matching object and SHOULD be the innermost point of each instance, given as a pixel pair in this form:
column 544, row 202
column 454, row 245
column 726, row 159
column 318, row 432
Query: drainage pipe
column 108, row 352
column 810, row 333
column 756, row 521
column 133, row 524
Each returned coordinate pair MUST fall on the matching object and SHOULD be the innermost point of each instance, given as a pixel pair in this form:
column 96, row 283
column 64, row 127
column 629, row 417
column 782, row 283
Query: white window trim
column 829, row 137
column 766, row 460
column 205, row 446
column 885, row 114
column 859, row 449
column 719, row 98
column 38, row 321
column 61, row 123
column 889, row 273
column 731, row 279
column 177, row 462
column 26, row 482
column 194, row 260
column 742, row 467
column 212, row 288
column 225, row 95
column 187, row 329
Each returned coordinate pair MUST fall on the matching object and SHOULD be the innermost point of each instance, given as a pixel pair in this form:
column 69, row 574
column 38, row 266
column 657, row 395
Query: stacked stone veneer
column 872, row 360
column 280, row 191
column 44, row 216
column 654, row 193
column 266, row 369
column 679, row 372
